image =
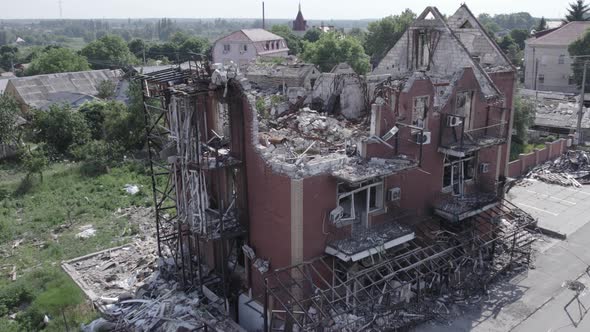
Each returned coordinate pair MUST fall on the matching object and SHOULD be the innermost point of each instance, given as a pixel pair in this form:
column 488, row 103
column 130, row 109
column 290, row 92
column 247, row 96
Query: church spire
column 299, row 5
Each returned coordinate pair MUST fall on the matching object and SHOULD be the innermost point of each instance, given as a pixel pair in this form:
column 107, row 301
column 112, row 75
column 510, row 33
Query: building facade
column 365, row 192
column 244, row 46
column 548, row 66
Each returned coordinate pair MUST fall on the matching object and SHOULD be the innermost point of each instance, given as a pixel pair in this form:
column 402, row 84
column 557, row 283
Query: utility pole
column 144, row 62
column 263, row 17
column 60, row 9
column 581, row 110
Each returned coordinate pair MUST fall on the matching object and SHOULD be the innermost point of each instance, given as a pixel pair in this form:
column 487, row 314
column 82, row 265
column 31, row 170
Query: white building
column 245, row 45
column 547, row 61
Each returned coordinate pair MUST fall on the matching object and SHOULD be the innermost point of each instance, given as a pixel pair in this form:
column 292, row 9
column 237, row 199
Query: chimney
column 263, row 18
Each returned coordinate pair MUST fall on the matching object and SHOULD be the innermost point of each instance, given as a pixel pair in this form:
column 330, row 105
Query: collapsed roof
column 439, row 49
column 43, row 90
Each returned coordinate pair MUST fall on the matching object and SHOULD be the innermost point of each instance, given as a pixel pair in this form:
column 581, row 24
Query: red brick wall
column 269, row 200
column 525, row 162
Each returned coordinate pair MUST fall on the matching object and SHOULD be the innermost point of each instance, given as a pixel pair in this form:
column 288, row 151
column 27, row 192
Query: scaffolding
column 328, row 294
column 196, row 179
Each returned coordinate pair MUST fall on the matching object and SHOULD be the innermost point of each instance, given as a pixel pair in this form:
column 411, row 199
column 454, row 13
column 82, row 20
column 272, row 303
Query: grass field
column 39, row 220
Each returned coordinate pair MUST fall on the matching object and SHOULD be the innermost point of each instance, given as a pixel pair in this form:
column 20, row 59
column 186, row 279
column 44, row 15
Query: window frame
column 424, row 124
column 461, row 163
column 379, row 200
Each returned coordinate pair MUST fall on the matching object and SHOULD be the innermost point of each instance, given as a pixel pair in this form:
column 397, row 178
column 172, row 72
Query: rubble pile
column 135, row 290
column 307, row 141
column 571, row 169
column 297, row 131
column 110, row 274
column 161, row 305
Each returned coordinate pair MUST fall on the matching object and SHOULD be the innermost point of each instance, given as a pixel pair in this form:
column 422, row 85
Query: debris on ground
column 574, row 285
column 86, row 232
column 570, row 169
column 131, row 189
column 136, row 291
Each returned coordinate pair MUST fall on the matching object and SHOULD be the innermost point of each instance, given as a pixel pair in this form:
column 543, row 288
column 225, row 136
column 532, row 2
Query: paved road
column 535, row 301
column 560, row 209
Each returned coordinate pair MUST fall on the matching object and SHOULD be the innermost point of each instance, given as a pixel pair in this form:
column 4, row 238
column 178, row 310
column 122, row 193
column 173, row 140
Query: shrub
column 60, row 128
column 96, row 157
column 106, row 89
column 35, row 162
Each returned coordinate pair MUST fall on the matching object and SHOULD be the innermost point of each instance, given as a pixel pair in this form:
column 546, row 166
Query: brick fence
column 526, row 161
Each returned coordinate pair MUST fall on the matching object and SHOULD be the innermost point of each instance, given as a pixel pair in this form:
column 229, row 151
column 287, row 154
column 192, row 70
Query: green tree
column 577, row 12
column 8, row 57
column 35, row 162
column 359, row 34
column 542, row 26
column 137, row 46
column 580, row 46
column 109, row 51
column 519, row 36
column 106, row 89
column 524, row 118
column 506, row 42
column 9, row 114
column 60, row 128
column 312, row 35
column 293, row 42
column 57, row 60
column 194, row 45
column 383, row 34
column 333, row 48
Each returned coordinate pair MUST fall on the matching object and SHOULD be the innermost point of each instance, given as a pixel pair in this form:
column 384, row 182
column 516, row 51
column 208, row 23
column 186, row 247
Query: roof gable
column 562, row 36
column 446, row 53
column 475, row 38
column 257, row 35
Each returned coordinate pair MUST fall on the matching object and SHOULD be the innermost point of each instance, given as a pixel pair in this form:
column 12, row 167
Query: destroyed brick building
column 338, row 202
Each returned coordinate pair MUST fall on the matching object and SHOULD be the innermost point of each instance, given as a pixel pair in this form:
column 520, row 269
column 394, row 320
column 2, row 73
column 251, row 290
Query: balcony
column 459, row 140
column 458, row 208
column 369, row 241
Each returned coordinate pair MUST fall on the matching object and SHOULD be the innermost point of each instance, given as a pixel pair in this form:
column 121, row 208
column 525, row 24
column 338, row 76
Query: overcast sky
column 316, row 9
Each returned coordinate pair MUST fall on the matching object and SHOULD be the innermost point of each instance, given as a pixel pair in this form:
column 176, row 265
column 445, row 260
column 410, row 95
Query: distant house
column 547, row 60
column 268, row 76
column 246, row 45
column 4, row 77
column 74, row 89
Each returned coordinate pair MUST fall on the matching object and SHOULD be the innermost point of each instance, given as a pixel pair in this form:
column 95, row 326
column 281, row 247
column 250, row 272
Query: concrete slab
column 561, row 210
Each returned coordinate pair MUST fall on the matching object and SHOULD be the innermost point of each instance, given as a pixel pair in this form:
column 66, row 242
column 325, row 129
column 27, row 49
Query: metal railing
column 456, row 134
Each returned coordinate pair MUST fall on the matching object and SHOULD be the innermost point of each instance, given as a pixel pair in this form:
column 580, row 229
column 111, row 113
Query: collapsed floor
column 136, row 291
column 409, row 285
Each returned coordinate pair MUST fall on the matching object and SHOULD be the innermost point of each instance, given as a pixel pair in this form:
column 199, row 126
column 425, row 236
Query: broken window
column 464, row 107
column 420, row 111
column 466, row 25
column 245, row 48
column 358, row 201
column 456, row 172
column 267, row 46
column 422, row 49
column 541, row 78
column 226, row 48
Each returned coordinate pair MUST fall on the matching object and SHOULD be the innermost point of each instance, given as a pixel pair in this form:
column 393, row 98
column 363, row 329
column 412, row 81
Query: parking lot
column 559, row 209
